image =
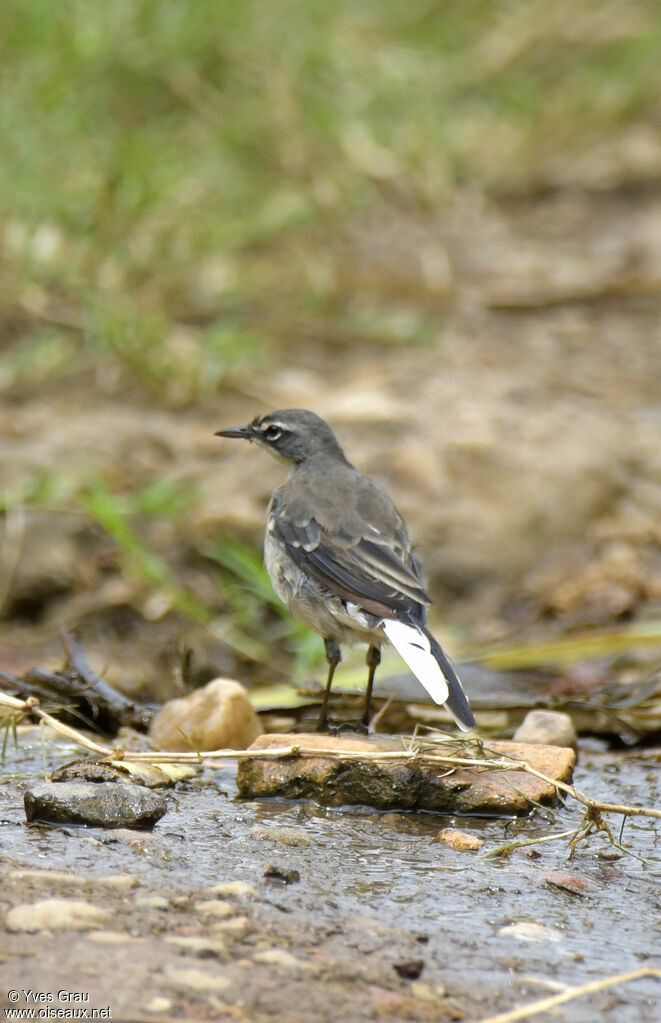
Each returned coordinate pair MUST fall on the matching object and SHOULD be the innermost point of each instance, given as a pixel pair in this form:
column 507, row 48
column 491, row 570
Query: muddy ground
column 381, row 923
column 519, row 434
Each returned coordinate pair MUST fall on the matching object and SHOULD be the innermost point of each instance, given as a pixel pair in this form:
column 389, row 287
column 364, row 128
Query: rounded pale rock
column 197, row 980
column 56, row 915
column 217, row 716
column 214, row 907
column 158, row 1005
column 549, row 727
column 239, row 889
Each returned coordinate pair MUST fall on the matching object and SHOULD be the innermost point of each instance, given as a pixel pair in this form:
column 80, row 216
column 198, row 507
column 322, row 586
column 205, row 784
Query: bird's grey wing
column 375, row 572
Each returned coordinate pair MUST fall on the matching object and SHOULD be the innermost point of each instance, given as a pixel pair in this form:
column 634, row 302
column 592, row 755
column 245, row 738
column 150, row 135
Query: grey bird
column 339, row 557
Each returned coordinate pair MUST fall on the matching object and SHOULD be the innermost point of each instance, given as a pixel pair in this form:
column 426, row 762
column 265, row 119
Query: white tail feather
column 414, row 649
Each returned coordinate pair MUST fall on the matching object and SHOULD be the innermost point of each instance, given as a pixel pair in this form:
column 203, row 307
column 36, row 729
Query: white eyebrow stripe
column 272, row 422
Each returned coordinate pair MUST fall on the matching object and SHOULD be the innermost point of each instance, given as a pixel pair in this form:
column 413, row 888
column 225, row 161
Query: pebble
column 283, row 836
column 549, row 727
column 214, row 907
column 279, row 957
column 111, row 937
column 568, row 882
column 117, row 881
column 100, row 804
column 425, row 992
column 237, row 927
column 158, row 1005
column 151, row 902
column 281, row 875
column 459, row 840
column 193, row 945
column 529, row 931
column 240, row 889
column 56, row 915
column 217, row 716
column 198, row 980
column 409, row 969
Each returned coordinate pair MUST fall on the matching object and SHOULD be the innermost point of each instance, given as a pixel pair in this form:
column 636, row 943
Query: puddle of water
column 356, row 862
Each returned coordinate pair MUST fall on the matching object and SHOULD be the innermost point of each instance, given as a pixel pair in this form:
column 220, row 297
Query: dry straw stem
column 544, row 1004
column 31, row 706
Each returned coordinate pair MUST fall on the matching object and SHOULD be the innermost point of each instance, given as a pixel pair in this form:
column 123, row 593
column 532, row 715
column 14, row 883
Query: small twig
column 376, row 720
column 630, row 811
column 507, row 847
column 31, row 706
column 544, row 1004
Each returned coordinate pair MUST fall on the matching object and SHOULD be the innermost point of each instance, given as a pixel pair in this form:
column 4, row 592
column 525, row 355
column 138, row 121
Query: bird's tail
column 431, row 666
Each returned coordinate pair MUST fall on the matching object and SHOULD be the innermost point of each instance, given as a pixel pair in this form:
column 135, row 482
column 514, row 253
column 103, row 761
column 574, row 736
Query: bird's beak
column 242, row 432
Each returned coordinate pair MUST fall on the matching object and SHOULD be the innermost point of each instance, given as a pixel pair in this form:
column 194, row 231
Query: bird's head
column 293, row 435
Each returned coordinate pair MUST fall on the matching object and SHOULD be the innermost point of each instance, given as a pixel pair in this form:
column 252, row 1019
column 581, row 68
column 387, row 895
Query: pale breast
column 312, row 604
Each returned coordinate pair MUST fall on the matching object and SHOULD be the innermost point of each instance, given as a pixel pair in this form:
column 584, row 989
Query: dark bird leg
column 373, row 660
column 333, row 656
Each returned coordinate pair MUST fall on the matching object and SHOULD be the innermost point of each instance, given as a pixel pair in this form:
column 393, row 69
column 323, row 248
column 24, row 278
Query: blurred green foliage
column 152, row 147
column 114, row 514
column 247, row 590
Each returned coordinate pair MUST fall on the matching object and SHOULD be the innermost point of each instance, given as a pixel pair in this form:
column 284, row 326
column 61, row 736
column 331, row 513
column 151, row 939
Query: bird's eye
column 273, row 432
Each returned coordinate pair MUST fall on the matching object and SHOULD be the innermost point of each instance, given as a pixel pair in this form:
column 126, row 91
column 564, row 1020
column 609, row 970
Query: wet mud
column 352, row 914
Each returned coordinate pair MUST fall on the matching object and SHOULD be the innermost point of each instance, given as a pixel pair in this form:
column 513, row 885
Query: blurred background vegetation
column 200, row 201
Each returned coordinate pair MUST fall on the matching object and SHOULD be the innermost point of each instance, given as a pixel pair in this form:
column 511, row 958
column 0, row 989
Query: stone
column 547, row 726
column 560, row 879
column 425, row 992
column 102, row 804
column 409, row 969
column 217, row 716
column 192, row 945
column 236, row 927
column 281, row 875
column 279, row 957
column 217, row 908
column 158, row 1005
column 152, row 902
column 112, row 938
column 56, row 915
column 55, row 877
column 197, row 980
column 151, row 775
column 459, row 840
column 238, row 889
column 283, row 836
column 319, row 773
column 528, row 930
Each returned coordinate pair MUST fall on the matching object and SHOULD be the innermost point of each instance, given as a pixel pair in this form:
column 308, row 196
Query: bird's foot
column 352, row 726
column 341, row 727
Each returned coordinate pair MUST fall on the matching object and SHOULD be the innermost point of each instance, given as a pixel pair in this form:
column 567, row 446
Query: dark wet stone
column 320, row 774
column 86, row 770
column 281, row 875
column 102, row 804
column 411, row 969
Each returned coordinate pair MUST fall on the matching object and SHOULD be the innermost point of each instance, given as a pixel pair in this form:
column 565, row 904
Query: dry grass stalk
column 544, row 1004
